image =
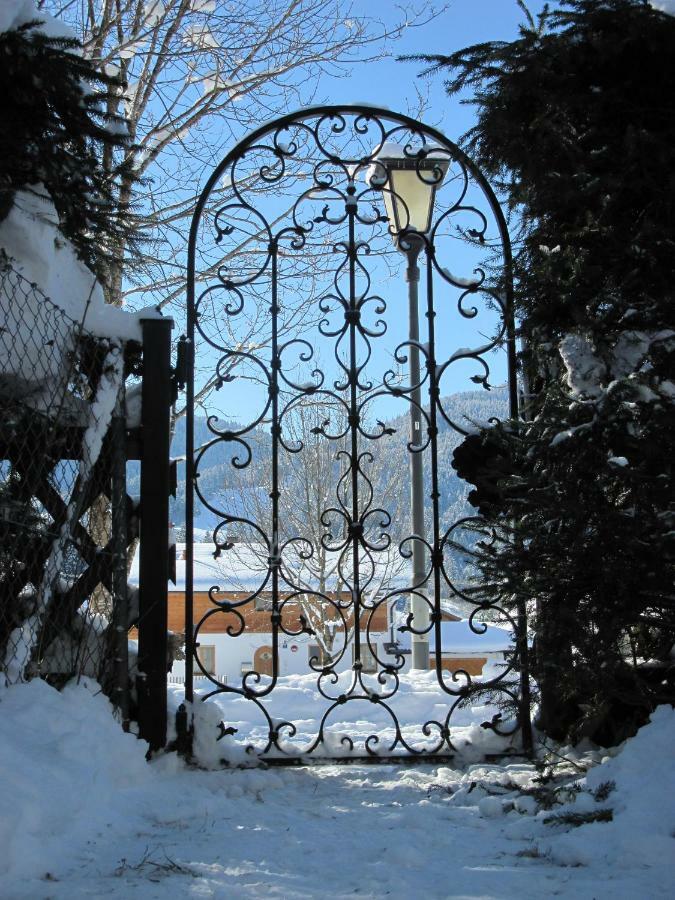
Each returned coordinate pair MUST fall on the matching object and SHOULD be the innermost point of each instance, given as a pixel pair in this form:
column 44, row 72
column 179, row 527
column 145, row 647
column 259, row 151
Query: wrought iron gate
column 298, row 351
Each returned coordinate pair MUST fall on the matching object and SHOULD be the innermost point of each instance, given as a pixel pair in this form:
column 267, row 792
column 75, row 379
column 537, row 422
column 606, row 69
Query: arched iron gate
column 295, row 307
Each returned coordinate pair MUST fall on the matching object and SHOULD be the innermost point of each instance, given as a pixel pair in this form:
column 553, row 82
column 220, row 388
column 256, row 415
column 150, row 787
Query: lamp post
column 409, row 187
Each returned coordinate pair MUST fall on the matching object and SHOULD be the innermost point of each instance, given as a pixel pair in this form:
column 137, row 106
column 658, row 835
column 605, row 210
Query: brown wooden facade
column 472, row 665
column 257, row 621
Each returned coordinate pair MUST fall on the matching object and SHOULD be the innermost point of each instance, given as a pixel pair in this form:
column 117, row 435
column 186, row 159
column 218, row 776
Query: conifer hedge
column 576, row 127
column 56, row 130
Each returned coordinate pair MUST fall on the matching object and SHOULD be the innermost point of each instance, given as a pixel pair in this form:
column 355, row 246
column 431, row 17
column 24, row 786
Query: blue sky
column 390, row 83
column 393, row 84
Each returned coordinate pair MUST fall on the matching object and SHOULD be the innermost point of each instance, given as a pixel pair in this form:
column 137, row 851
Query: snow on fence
column 198, row 679
column 62, row 477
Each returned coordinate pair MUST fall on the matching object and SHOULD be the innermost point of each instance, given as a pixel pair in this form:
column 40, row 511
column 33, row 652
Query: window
column 369, row 663
column 206, row 654
column 262, row 603
column 246, row 667
column 314, row 655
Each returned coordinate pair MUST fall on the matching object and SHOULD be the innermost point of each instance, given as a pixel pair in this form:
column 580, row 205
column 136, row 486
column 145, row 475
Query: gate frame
column 185, row 726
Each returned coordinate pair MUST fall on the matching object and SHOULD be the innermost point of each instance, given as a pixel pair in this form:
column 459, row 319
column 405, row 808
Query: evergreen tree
column 56, row 131
column 576, row 123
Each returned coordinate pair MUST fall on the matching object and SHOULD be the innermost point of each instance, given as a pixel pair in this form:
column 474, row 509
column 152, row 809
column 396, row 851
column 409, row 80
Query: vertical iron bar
column 511, row 350
column 120, row 598
column 276, row 430
column 189, row 500
column 154, row 539
column 353, row 425
column 434, row 396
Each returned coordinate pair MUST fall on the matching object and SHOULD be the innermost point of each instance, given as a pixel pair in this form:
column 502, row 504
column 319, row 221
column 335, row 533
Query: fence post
column 156, row 399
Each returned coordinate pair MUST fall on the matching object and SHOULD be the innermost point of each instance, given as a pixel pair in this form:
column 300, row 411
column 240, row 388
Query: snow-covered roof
column 457, row 607
column 458, row 637
column 244, row 568
column 207, row 570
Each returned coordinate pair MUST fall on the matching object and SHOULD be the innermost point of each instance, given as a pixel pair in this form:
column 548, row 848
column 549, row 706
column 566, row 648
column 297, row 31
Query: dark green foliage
column 593, row 542
column 575, row 819
column 20, row 523
column 481, row 460
column 56, row 131
column 576, row 122
column 549, row 793
column 602, row 791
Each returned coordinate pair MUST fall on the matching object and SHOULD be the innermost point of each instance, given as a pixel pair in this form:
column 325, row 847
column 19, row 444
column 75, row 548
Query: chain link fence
column 63, row 504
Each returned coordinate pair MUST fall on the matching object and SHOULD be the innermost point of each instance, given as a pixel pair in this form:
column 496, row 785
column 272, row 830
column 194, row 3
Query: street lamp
column 409, row 186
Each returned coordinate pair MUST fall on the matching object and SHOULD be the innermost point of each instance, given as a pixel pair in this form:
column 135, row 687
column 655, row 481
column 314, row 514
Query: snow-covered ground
column 351, row 727
column 83, row 815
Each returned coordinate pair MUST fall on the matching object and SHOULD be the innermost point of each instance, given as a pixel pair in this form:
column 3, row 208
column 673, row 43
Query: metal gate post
column 156, row 400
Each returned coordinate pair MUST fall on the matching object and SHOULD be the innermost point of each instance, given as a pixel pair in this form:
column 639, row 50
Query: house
column 463, row 649
column 243, row 573
column 239, row 575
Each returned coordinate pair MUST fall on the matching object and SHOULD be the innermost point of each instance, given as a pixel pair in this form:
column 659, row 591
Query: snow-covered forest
column 109, row 116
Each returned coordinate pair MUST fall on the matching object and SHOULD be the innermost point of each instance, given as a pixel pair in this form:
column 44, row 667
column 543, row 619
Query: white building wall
column 231, row 653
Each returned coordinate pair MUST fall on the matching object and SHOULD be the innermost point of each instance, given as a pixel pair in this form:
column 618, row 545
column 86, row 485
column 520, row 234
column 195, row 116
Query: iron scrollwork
column 298, row 206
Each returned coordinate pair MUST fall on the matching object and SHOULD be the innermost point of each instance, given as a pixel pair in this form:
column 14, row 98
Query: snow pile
column 64, row 761
column 29, row 235
column 83, row 814
column 585, row 372
column 666, row 6
column 38, row 251
column 629, row 352
column 642, row 830
column 625, row 375
column 589, row 376
column 15, row 13
column 620, row 816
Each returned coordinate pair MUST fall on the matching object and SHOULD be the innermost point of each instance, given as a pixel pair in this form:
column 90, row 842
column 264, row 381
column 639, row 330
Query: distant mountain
column 220, row 479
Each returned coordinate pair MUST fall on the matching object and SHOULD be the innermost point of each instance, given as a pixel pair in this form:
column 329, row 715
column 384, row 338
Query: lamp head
column 408, row 184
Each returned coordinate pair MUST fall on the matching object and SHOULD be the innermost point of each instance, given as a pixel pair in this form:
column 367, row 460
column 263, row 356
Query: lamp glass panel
column 417, row 196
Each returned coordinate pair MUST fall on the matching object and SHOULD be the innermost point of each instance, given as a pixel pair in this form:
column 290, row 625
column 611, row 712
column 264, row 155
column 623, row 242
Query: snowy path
column 83, row 815
column 320, row 832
